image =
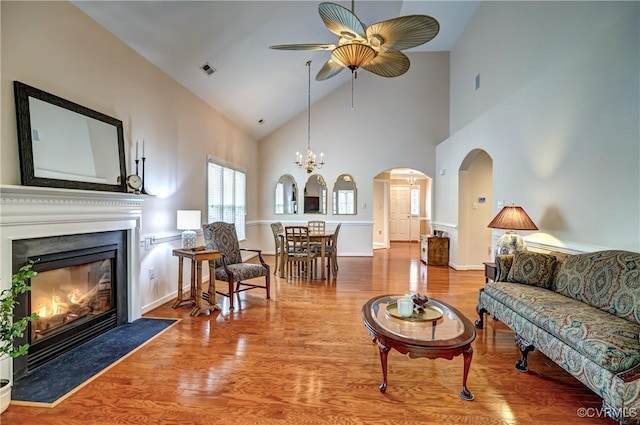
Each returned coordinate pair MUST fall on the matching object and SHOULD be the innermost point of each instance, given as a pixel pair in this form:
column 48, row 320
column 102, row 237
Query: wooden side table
column 490, row 272
column 197, row 256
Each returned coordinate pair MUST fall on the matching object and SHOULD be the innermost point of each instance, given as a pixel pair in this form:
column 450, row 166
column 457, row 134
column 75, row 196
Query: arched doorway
column 402, row 206
column 475, row 210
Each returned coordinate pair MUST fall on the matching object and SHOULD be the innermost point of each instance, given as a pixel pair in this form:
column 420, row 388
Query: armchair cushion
column 243, row 271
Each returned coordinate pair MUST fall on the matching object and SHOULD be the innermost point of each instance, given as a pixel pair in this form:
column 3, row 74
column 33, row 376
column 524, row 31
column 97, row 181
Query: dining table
column 320, row 238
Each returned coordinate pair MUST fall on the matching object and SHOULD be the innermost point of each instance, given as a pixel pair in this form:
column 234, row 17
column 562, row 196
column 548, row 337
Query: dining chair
column 316, row 227
column 331, row 252
column 278, row 235
column 229, row 267
column 299, row 253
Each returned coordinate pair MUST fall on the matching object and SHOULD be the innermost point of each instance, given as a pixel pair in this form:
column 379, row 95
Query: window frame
column 236, row 200
column 414, row 201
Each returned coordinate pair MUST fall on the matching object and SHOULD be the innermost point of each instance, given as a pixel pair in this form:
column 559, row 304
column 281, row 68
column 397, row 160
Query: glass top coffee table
column 440, row 332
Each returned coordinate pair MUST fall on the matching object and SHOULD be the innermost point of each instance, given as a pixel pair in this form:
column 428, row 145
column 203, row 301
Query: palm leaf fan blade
column 402, row 33
column 341, row 21
column 304, row 47
column 328, row 70
column 390, row 64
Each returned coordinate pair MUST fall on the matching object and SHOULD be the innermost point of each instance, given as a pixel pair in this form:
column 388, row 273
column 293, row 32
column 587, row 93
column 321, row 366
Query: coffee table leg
column 465, row 394
column 384, row 352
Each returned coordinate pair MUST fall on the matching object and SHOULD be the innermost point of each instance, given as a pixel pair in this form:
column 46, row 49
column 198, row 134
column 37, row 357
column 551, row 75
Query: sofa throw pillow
column 532, row 268
column 503, row 265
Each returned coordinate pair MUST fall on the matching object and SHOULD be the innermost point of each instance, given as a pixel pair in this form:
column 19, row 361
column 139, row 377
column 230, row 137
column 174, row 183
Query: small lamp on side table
column 511, row 218
column 188, row 220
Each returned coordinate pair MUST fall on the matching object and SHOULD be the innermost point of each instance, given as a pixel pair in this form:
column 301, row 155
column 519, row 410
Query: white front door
column 400, row 213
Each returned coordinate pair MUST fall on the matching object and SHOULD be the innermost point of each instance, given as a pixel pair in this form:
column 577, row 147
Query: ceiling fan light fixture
column 375, row 48
column 353, row 55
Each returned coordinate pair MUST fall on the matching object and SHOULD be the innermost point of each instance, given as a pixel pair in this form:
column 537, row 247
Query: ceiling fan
column 376, row 48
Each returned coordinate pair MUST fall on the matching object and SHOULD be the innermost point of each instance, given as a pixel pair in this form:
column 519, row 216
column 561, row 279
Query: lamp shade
column 512, row 218
column 189, row 219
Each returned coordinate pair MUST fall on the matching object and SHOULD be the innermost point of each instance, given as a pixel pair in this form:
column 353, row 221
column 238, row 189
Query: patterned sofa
column 582, row 311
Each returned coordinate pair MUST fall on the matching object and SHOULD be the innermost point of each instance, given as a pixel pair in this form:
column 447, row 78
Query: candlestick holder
column 137, row 161
column 142, row 190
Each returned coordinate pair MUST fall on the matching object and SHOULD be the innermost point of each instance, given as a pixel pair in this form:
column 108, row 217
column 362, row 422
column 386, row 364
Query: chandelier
column 309, row 162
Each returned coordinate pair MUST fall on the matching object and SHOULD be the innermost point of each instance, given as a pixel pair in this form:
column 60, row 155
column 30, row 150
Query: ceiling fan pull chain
column 352, row 108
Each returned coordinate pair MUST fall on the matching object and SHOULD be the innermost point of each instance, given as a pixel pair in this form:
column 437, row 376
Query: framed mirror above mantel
column 66, row 145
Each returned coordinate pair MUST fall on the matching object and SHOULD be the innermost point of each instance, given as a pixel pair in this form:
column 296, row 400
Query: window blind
column 226, row 196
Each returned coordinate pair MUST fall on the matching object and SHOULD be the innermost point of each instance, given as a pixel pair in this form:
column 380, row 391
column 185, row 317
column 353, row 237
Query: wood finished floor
column 304, row 357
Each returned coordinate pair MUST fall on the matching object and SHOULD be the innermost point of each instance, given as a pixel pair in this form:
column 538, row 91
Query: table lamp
column 188, row 220
column 512, row 218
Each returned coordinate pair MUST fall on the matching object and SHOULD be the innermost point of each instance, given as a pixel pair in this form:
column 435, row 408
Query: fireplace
column 80, row 292
column 93, row 238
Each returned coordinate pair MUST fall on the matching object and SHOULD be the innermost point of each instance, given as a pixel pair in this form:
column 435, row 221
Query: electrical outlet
column 152, row 273
column 489, row 250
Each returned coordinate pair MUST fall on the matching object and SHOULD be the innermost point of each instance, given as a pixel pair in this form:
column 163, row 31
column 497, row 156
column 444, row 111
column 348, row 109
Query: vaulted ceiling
column 252, row 82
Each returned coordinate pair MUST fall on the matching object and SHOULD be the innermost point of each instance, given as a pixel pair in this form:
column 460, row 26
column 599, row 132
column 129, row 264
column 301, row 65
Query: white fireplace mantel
column 33, row 212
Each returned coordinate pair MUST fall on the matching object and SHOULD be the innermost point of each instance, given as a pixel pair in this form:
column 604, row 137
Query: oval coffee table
column 442, row 332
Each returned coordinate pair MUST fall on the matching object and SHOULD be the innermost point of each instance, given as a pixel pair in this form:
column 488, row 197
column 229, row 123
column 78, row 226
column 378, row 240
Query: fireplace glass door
column 70, row 296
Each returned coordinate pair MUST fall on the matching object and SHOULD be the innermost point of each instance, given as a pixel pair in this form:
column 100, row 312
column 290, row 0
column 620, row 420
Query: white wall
column 55, row 47
column 397, row 122
column 557, row 111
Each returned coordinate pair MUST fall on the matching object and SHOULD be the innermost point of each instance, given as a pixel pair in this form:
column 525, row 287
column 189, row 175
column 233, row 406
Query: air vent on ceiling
column 207, row 68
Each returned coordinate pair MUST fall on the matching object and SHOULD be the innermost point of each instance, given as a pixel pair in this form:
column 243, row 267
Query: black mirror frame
column 22, row 93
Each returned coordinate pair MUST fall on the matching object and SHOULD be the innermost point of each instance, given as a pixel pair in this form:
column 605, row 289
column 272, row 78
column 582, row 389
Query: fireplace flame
column 52, row 308
column 77, row 303
column 75, row 296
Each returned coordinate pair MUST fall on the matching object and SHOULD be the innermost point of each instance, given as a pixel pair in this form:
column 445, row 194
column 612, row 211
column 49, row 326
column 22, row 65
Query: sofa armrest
column 630, row 375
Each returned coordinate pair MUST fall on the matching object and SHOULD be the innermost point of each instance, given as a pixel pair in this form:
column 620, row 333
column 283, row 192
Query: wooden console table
column 437, row 251
column 197, row 256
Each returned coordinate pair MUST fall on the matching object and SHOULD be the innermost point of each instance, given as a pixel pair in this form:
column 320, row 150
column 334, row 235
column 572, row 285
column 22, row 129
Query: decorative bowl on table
column 422, row 311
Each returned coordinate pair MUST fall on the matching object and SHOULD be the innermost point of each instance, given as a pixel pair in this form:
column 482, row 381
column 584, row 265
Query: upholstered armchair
column 229, row 267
